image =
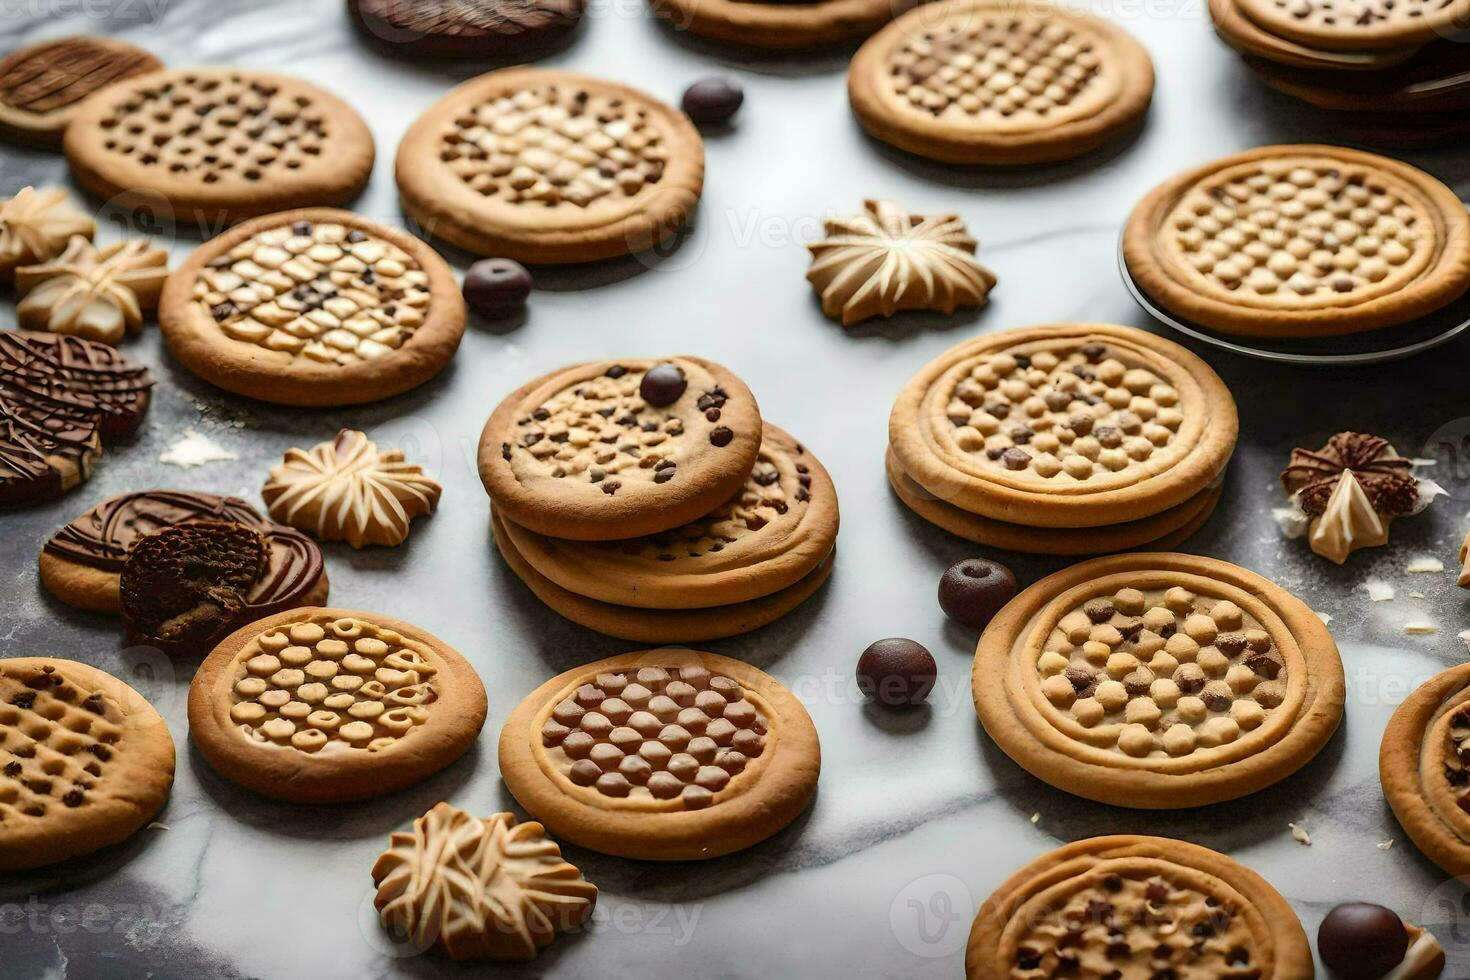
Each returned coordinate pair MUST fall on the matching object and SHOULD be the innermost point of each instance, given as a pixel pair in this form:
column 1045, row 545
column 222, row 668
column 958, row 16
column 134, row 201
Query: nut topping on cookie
column 100, row 295
column 885, row 260
column 35, row 226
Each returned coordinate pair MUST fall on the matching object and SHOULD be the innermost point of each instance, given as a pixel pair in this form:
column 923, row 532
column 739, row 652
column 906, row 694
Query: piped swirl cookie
column 327, row 705
column 991, row 82
column 1424, row 766
column 1158, row 681
column 1141, row 908
column 85, row 761
column 664, row 755
column 212, row 144
column 1069, row 425
column 616, row 449
column 547, row 166
column 1300, row 241
column 313, row 307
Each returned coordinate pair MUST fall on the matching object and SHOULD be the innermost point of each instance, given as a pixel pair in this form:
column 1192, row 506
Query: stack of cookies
column 1067, row 439
column 1395, row 66
column 646, row 499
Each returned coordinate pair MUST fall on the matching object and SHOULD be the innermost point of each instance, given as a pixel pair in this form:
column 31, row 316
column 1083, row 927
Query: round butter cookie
column 1158, row 681
column 662, row 755
column 85, row 761
column 547, row 166
column 994, row 82
column 1424, row 765
column 659, row 625
column 328, row 706
column 1338, row 26
column 1246, row 37
column 1161, row 532
column 1300, row 241
column 208, row 145
column 42, row 84
column 777, row 528
column 1064, row 426
column 1144, row 907
column 313, row 307
column 617, row 449
column 779, row 24
column 464, row 28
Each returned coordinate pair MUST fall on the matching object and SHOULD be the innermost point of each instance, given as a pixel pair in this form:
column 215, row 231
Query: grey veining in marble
column 918, row 816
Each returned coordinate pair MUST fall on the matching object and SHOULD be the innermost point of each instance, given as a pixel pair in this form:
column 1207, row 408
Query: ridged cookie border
column 1399, row 763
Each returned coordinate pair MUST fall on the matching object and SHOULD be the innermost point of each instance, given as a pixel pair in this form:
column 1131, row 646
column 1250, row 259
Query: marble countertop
column 918, row 817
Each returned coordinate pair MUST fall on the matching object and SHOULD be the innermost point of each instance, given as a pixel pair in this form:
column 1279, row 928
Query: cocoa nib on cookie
column 186, row 586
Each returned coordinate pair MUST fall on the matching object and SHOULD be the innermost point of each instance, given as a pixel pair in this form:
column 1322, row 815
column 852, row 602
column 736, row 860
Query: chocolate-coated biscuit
column 42, row 85
column 463, row 28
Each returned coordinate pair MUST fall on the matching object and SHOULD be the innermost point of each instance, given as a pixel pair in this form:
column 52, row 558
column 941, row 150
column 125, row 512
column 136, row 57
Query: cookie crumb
column 1035, row 818
column 1424, row 563
column 155, row 825
column 1378, row 590
column 1384, row 845
column 1292, row 521
column 193, row 449
column 1300, row 835
column 1416, row 595
column 1420, row 627
column 1325, row 617
column 1464, row 636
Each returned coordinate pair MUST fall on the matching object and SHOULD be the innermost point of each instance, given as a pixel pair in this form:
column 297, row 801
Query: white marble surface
column 918, row 817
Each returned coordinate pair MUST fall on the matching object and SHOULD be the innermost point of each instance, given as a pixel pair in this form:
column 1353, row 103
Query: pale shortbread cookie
column 547, row 166
column 101, row 295
column 994, row 82
column 664, row 755
column 1158, row 681
column 85, row 761
column 1300, row 241
column 1136, row 908
column 36, row 226
column 42, row 85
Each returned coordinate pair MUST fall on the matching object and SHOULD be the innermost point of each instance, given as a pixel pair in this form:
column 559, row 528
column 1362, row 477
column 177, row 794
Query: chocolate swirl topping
column 102, row 537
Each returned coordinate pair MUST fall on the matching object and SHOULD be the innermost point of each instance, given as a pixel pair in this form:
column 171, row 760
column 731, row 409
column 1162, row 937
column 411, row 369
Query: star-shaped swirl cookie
column 346, row 490
column 479, row 889
column 97, row 295
column 885, row 260
column 36, row 225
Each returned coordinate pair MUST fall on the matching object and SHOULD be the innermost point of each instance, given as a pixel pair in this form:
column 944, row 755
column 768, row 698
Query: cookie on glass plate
column 85, row 761
column 993, row 82
column 212, row 145
column 313, row 307
column 1300, row 241
column 41, row 85
column 663, row 755
column 329, row 705
column 1132, row 906
column 1158, row 681
column 547, row 166
column 618, row 449
column 779, row 25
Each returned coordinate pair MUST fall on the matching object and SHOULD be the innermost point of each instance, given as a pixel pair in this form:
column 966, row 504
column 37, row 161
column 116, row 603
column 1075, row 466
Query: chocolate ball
column 896, row 671
column 662, row 385
column 713, row 100
column 974, row 590
column 1362, row 941
column 496, row 288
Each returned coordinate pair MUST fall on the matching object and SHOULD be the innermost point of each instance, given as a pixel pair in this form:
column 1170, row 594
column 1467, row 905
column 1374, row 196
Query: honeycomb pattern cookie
column 585, row 453
column 41, row 85
column 314, row 307
column 983, row 82
column 1158, row 681
column 203, row 144
column 325, row 705
column 1073, row 425
column 774, row 531
column 1356, row 25
column 662, row 755
column 545, row 166
column 85, row 761
column 1424, row 766
column 1140, row 908
column 1295, row 241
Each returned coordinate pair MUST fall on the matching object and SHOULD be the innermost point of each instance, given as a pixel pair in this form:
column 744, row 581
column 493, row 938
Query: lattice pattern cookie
column 774, row 531
column 1077, row 425
column 42, row 85
column 1300, row 240
column 325, row 705
column 219, row 142
column 665, row 754
column 314, row 307
column 1158, row 681
column 978, row 81
column 1424, row 766
column 1136, row 908
column 84, row 761
column 1352, row 25
column 546, row 166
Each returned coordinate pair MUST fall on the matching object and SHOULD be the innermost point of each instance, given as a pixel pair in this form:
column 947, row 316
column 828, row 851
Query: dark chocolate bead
column 1361, row 941
column 896, row 671
column 713, row 100
column 974, row 590
column 496, row 288
column 662, row 385
column 721, row 436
